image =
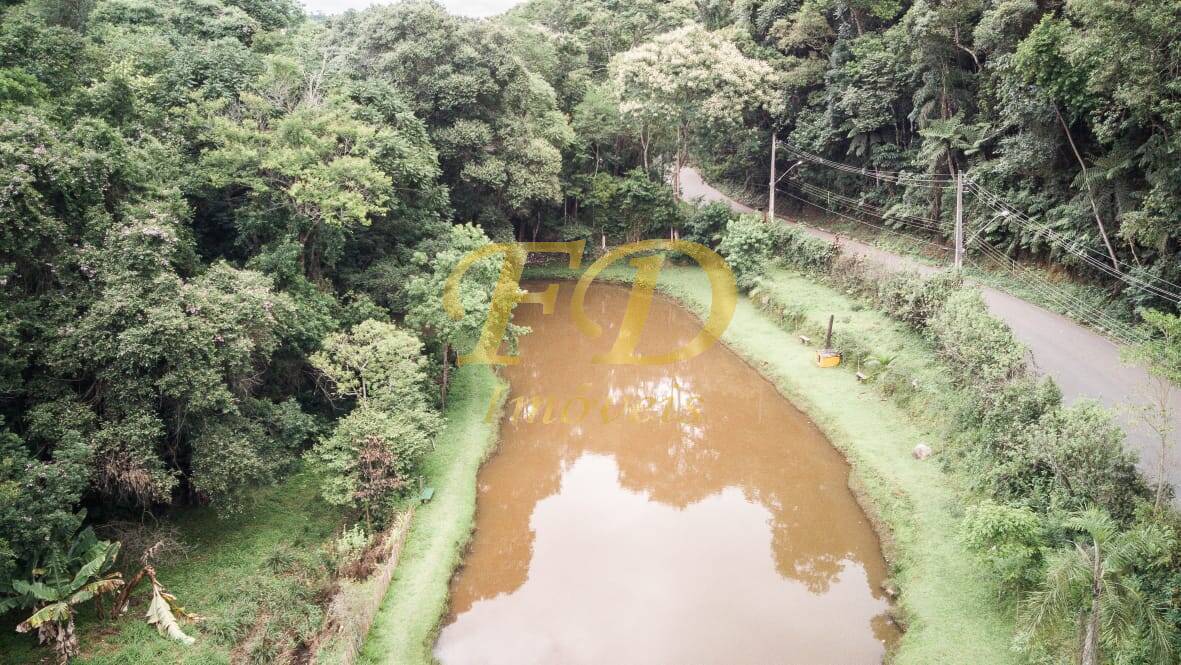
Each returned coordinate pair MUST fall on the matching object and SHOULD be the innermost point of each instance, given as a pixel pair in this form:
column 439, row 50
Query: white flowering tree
column 691, row 79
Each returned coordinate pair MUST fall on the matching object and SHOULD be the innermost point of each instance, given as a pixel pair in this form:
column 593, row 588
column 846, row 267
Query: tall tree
column 690, row 80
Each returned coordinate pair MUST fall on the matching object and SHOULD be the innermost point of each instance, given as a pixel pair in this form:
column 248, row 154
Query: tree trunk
column 773, row 180
column 680, row 161
column 644, row 141
column 937, row 202
column 1090, row 193
column 1160, row 479
column 309, row 258
column 120, row 604
column 446, row 373
column 1091, row 641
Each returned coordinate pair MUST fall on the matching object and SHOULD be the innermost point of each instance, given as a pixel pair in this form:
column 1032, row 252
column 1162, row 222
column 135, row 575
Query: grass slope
column 951, row 609
column 405, row 627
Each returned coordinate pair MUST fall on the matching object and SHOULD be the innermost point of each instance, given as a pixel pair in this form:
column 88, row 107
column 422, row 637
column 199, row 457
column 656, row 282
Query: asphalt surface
column 1084, row 364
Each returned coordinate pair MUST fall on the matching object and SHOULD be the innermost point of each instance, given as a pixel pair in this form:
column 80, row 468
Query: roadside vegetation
column 885, row 102
column 1084, row 299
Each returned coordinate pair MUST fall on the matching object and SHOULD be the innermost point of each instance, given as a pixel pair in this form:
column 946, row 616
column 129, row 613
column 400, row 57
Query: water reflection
column 731, row 537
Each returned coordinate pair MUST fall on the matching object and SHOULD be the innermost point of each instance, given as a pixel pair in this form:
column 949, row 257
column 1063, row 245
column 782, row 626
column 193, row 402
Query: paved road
column 1083, row 363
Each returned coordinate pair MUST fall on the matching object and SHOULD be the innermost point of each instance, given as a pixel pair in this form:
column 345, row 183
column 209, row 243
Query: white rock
column 922, row 451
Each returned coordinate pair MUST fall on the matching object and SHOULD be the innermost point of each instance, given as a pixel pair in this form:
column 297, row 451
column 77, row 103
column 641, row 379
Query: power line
column 924, row 223
column 1065, row 243
column 896, row 177
column 1068, row 304
column 861, row 221
column 996, row 203
column 1065, row 301
column 860, row 170
column 1092, row 314
column 877, row 211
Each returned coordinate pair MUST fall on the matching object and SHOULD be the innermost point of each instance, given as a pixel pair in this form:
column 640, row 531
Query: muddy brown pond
column 698, row 518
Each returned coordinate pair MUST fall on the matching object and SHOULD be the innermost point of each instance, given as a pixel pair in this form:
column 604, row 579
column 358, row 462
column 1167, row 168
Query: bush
column 707, row 223
column 802, row 250
column 1008, row 540
column 748, row 245
column 914, row 299
column 788, row 317
column 993, row 422
column 1080, row 451
column 979, row 347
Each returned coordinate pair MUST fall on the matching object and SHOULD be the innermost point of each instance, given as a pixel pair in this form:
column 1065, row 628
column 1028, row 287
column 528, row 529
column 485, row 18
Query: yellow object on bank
column 828, row 358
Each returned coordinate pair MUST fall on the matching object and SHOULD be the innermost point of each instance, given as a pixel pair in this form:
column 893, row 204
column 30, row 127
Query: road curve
column 1083, row 363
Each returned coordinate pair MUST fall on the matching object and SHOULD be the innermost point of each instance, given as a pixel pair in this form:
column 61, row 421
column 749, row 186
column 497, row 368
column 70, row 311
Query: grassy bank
column 404, row 629
column 241, row 572
column 950, row 607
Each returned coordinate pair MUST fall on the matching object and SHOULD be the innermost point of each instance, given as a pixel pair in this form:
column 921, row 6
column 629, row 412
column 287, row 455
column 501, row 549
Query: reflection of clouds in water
column 711, row 556
column 752, row 456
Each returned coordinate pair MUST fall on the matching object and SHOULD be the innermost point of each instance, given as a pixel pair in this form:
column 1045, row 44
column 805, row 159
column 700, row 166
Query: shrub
column 1048, row 457
column 787, row 317
column 979, row 347
column 707, row 224
column 992, row 422
column 1082, row 448
column 373, row 453
column 1008, row 539
column 914, row 299
column 748, row 245
column 802, row 250
column 348, row 547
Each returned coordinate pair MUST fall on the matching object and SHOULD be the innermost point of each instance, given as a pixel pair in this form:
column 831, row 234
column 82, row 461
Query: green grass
column 404, row 630
column 952, row 612
column 909, row 376
column 231, row 567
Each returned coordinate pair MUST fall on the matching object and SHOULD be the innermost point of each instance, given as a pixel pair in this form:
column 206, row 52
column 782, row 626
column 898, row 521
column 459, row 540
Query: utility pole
column 774, row 181
column 959, row 220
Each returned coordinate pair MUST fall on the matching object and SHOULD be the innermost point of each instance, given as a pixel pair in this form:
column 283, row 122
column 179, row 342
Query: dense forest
column 225, row 227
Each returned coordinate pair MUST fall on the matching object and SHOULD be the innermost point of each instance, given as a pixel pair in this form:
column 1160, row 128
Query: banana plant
column 82, row 573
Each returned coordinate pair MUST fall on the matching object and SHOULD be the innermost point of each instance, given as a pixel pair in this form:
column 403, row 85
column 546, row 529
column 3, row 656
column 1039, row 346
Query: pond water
column 697, row 518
